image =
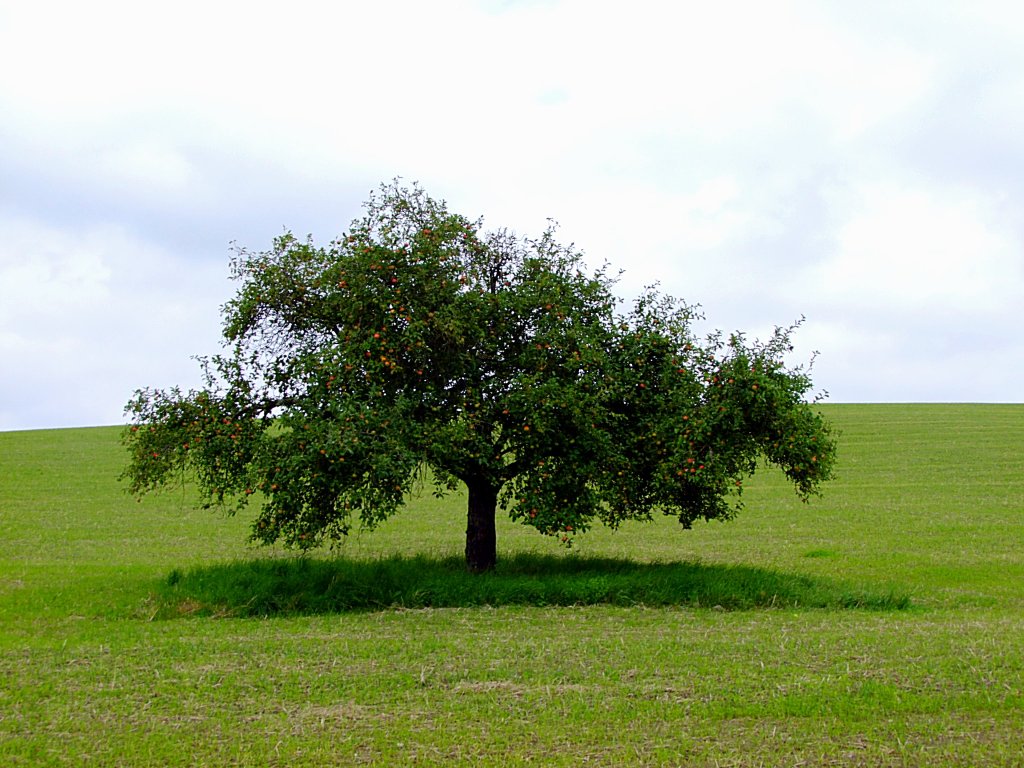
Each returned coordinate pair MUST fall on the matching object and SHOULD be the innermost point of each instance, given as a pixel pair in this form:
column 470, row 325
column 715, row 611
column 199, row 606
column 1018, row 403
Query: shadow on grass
column 268, row 587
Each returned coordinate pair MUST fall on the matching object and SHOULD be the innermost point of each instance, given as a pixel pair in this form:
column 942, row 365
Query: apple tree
column 419, row 345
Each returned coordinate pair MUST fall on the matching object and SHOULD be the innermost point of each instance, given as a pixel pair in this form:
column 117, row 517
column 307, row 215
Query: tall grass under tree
column 417, row 340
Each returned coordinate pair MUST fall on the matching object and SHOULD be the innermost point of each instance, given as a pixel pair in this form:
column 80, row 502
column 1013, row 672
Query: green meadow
column 880, row 625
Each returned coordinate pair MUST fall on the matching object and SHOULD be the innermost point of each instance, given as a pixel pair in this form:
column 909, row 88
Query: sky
column 860, row 165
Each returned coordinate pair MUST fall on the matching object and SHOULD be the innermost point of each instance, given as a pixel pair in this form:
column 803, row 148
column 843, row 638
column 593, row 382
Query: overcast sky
column 860, row 164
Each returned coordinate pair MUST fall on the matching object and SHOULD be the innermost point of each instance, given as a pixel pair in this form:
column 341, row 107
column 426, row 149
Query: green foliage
column 418, row 340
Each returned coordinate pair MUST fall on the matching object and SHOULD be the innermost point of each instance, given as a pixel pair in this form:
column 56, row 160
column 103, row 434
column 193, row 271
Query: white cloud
column 148, row 165
column 46, row 274
column 857, row 163
column 89, row 316
column 924, row 249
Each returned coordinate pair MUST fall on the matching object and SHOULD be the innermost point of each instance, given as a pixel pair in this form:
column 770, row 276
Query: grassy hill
column 151, row 634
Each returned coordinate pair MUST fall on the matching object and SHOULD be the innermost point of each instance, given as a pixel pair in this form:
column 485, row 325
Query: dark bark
column 481, row 540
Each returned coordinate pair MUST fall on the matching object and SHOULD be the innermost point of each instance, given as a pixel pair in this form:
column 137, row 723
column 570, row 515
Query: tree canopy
column 418, row 345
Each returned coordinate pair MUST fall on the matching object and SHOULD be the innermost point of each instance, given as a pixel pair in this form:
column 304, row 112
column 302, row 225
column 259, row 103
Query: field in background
column 929, row 502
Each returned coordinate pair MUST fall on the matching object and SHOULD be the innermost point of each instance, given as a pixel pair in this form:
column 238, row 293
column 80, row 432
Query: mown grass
column 101, row 666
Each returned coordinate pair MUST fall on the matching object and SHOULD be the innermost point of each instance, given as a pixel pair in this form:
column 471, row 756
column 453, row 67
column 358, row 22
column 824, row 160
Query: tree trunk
column 481, row 540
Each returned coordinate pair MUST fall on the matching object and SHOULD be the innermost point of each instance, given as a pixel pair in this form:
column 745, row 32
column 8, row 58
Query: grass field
column 112, row 653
